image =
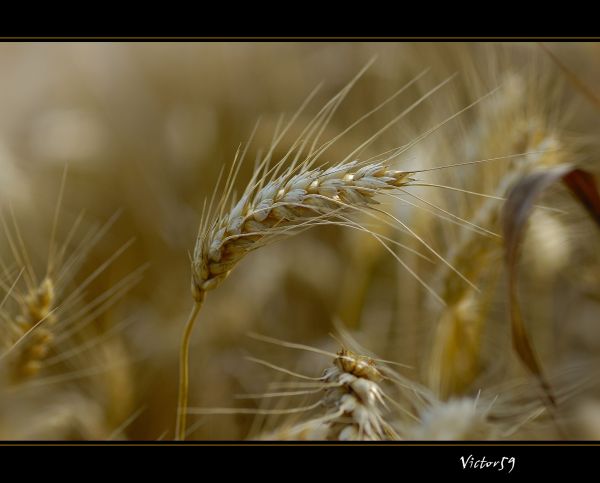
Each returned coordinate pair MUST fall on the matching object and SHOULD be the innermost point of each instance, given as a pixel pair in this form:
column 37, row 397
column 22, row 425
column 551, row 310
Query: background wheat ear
column 352, row 405
column 37, row 307
column 57, row 351
column 351, row 399
column 30, row 326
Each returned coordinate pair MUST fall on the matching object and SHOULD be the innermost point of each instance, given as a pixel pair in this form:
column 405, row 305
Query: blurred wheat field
column 109, row 150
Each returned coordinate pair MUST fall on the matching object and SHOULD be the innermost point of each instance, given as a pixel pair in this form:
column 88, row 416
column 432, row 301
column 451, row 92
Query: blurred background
column 145, row 129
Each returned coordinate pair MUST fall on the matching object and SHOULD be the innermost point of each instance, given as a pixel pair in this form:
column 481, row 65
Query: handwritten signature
column 482, row 464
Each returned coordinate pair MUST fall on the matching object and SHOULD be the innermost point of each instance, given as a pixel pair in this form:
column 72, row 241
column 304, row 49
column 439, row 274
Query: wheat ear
column 286, row 205
column 36, row 307
column 353, row 404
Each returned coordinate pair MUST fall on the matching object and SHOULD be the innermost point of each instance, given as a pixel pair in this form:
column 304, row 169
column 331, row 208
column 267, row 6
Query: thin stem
column 184, row 353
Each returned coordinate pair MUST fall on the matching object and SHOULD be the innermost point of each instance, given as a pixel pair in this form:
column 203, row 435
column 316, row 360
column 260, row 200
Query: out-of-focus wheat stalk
column 457, row 344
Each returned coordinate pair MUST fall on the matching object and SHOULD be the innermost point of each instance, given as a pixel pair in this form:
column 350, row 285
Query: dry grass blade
column 515, row 215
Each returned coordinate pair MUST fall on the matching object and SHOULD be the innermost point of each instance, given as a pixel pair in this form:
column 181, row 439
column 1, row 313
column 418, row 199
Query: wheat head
column 284, row 206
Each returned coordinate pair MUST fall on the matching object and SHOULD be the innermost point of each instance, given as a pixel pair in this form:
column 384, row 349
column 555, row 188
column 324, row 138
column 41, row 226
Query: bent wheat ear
column 284, row 206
